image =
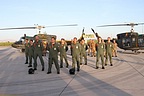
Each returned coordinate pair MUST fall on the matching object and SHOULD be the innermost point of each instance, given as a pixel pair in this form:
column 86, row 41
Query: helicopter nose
column 13, row 45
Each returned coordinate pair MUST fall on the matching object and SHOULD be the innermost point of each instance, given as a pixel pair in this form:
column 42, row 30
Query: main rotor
column 128, row 24
column 39, row 27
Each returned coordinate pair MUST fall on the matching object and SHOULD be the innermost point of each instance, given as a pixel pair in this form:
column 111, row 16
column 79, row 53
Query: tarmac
column 124, row 78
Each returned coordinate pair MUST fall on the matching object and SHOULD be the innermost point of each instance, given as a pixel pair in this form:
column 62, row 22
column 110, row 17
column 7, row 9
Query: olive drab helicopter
column 45, row 38
column 129, row 40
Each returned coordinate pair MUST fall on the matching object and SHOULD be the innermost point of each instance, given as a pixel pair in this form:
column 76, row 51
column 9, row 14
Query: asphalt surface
column 125, row 78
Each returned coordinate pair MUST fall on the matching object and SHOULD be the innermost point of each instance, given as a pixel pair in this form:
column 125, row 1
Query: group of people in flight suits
column 34, row 49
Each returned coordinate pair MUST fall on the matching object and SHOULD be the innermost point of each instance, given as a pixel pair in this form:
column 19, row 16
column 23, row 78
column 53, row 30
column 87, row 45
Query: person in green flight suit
column 109, row 48
column 100, row 47
column 31, row 53
column 53, row 49
column 38, row 48
column 84, row 47
column 76, row 50
column 26, row 50
column 63, row 48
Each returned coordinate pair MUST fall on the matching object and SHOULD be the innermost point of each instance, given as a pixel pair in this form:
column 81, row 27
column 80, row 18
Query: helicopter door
column 141, row 41
column 134, row 42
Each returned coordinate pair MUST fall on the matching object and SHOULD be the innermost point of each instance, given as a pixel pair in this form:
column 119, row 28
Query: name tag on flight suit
column 102, row 46
column 64, row 47
column 54, row 48
column 77, row 47
column 38, row 45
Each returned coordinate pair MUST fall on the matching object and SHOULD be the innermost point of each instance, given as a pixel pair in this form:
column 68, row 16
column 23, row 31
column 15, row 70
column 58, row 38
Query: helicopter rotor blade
column 114, row 25
column 129, row 24
column 18, row 28
column 62, row 25
column 140, row 23
column 37, row 27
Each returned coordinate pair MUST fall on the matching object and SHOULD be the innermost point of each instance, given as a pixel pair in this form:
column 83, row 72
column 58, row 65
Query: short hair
column 75, row 38
column 53, row 38
column 99, row 37
column 82, row 39
column 31, row 40
column 62, row 39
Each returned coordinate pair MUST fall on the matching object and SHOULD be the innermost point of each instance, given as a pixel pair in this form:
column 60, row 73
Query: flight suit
column 44, row 47
column 31, row 54
column 90, row 47
column 100, row 53
column 26, row 52
column 109, row 48
column 93, row 49
column 115, row 49
column 63, row 49
column 104, row 50
column 38, row 47
column 84, row 47
column 76, row 50
column 53, row 56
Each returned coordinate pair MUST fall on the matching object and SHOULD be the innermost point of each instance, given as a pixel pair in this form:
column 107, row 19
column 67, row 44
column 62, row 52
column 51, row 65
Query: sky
column 85, row 13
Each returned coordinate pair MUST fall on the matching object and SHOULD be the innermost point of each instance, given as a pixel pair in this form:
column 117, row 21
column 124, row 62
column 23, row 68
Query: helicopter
column 129, row 40
column 45, row 38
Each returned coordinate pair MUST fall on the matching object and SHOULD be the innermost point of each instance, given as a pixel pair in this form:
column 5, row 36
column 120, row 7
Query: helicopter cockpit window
column 118, row 37
column 141, row 42
column 21, row 39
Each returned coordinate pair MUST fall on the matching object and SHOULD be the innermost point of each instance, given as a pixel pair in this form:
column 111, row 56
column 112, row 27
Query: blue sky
column 85, row 13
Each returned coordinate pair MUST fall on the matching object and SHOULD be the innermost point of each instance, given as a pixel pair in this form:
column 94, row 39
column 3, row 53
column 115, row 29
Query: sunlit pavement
column 124, row 78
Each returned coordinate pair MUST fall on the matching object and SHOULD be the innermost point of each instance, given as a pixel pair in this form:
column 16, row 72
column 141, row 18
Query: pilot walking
column 100, row 53
column 31, row 53
column 84, row 47
column 26, row 50
column 63, row 48
column 76, row 50
column 109, row 49
column 53, row 49
column 38, row 48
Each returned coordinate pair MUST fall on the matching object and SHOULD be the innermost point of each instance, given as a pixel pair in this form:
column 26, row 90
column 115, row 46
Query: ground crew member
column 63, row 48
column 100, row 53
column 76, row 48
column 53, row 49
column 26, row 50
column 84, row 47
column 115, row 48
column 31, row 53
column 89, row 47
column 109, row 48
column 38, row 48
column 93, row 49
